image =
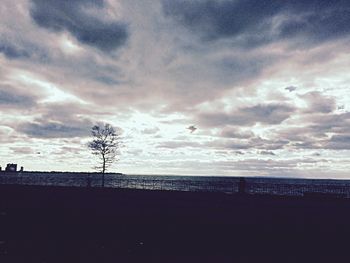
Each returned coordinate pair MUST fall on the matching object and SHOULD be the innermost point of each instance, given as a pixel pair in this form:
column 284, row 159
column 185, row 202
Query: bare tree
column 105, row 144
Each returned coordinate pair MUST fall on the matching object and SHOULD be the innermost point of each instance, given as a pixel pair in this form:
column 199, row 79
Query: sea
column 223, row 184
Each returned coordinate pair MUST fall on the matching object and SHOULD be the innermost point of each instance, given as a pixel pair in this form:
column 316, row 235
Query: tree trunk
column 103, row 171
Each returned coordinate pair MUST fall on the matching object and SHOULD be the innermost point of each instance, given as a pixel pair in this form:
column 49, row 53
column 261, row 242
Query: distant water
column 230, row 185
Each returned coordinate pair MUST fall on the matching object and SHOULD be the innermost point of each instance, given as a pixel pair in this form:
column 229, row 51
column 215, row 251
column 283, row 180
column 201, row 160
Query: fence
column 95, row 180
column 289, row 187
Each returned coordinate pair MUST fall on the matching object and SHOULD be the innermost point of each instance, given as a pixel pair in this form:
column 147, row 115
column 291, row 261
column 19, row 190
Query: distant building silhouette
column 11, row 167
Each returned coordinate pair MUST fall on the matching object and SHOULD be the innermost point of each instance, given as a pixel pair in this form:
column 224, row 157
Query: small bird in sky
column 291, row 88
column 192, row 128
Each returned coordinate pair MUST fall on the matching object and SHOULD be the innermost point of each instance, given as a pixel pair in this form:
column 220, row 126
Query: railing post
column 241, row 185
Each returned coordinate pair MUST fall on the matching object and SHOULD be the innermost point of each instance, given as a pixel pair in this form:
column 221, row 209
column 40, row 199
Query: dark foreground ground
column 57, row 224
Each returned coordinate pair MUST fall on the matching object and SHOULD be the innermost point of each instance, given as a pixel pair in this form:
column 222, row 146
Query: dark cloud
column 49, row 129
column 14, row 47
column 13, row 52
column 65, row 112
column 233, row 132
column 335, row 142
column 70, row 15
column 250, row 23
column 220, row 19
column 8, row 98
column 339, row 142
column 317, row 21
column 268, row 144
column 58, row 120
column 269, row 113
column 319, row 103
column 331, row 123
column 261, row 113
column 243, row 68
column 302, row 134
column 209, row 77
column 12, row 97
column 267, row 153
column 314, row 132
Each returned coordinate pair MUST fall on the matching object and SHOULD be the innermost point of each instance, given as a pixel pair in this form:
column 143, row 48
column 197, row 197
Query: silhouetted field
column 69, row 224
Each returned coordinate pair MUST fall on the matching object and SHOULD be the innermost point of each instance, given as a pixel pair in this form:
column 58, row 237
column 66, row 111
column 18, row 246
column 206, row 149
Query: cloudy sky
column 266, row 84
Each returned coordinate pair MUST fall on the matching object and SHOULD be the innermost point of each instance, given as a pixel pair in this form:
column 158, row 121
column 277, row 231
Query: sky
column 265, row 84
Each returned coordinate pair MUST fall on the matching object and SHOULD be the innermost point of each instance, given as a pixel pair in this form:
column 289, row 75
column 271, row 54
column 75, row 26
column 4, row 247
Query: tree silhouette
column 105, row 144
